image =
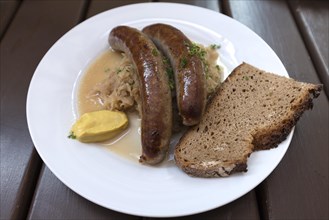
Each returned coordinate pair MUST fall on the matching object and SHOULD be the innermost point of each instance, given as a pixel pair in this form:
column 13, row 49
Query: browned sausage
column 155, row 93
column 188, row 69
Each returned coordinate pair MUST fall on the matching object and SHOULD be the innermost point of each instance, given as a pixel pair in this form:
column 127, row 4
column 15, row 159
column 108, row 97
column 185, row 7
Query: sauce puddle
column 128, row 143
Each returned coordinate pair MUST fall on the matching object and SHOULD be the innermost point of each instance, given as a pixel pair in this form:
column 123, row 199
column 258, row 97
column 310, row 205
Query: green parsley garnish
column 107, row 70
column 165, row 61
column 155, row 52
column 195, row 49
column 171, row 84
column 183, row 62
column 127, row 68
column 214, row 46
column 206, row 69
column 170, row 73
column 71, row 135
column 118, row 70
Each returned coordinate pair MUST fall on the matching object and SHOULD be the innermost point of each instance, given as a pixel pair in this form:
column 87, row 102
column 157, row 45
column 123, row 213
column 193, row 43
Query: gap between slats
column 27, row 187
column 83, row 15
column 310, row 47
column 260, row 196
column 11, row 17
column 32, row 174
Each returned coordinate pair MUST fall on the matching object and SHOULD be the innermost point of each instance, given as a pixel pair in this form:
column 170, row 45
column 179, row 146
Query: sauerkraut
column 120, row 90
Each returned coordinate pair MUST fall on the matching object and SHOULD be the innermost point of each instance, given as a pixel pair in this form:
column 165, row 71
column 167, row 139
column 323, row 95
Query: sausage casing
column 188, row 69
column 156, row 120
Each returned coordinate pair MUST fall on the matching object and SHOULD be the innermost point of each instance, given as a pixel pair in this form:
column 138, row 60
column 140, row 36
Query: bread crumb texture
column 252, row 110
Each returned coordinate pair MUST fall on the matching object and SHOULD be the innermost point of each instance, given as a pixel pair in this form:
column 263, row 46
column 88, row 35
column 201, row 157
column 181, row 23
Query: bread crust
column 260, row 137
column 272, row 137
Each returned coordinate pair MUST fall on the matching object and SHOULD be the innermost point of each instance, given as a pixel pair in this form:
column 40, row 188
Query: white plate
column 108, row 179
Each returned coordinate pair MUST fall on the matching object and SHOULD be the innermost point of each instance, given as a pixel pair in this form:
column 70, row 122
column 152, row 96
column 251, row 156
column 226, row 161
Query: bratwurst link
column 188, row 70
column 154, row 90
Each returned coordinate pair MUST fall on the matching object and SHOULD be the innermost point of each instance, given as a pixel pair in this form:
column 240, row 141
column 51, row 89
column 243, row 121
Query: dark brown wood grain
column 244, row 208
column 56, row 201
column 298, row 187
column 312, row 18
column 210, row 4
column 64, row 199
column 297, row 31
column 101, row 6
column 36, row 26
column 51, row 194
column 7, row 12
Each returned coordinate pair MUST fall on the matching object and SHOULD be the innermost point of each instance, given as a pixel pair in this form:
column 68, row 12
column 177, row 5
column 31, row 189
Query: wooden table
column 296, row 30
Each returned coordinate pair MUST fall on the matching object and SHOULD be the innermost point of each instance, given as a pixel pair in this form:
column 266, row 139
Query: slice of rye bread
column 252, row 110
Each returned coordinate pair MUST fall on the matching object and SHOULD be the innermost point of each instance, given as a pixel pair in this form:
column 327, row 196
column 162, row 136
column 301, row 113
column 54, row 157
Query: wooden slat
column 100, row 6
column 54, row 200
column 239, row 209
column 298, row 188
column 36, row 26
column 313, row 20
column 246, row 206
column 7, row 11
column 64, row 199
column 210, row 4
column 69, row 202
column 51, row 194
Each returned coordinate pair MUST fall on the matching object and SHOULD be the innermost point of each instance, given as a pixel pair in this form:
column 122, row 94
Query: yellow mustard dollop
column 99, row 126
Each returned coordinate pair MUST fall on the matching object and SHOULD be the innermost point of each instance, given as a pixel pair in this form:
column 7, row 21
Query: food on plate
column 111, row 81
column 133, row 70
column 99, row 126
column 214, row 72
column 156, row 118
column 252, row 110
column 188, row 70
column 117, row 87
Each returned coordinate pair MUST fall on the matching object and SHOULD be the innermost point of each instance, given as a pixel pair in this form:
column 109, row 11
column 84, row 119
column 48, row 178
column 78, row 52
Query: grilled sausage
column 188, row 70
column 155, row 93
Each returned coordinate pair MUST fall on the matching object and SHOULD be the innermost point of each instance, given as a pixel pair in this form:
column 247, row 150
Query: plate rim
column 28, row 109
